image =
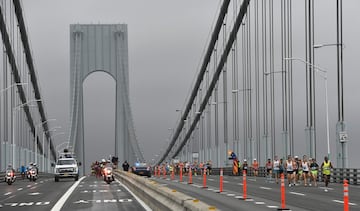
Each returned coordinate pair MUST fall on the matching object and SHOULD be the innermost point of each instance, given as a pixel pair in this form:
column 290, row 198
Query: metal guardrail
column 337, row 175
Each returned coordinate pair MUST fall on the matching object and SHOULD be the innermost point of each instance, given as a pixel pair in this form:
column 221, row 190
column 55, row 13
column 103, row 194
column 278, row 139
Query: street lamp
column 327, row 44
column 43, row 144
column 13, row 128
column 35, row 135
column 2, row 91
column 324, row 76
column 66, row 142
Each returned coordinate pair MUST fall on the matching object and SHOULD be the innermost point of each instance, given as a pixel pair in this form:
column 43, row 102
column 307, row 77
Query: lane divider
column 59, row 204
column 190, row 176
column 221, row 180
column 346, row 196
column 204, row 179
column 283, row 207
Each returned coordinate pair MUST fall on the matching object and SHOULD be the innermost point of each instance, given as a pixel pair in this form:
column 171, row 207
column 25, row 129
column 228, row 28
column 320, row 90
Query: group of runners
column 195, row 167
column 296, row 170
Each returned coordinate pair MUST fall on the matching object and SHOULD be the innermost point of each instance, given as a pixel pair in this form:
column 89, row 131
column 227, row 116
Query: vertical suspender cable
column 272, row 82
column 257, row 83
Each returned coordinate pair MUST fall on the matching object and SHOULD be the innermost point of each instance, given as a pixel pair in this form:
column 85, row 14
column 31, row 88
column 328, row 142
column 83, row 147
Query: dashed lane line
column 265, row 188
column 342, row 202
column 296, row 193
column 8, row 193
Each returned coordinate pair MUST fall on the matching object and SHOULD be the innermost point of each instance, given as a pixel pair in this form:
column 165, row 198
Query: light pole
column 236, row 145
column 13, row 128
column 327, row 44
column 324, row 76
column 43, row 144
column 66, row 142
column 2, row 91
column 285, row 131
column 35, row 135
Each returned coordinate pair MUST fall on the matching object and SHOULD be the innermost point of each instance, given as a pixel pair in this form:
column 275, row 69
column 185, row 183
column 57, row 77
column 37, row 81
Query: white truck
column 66, row 167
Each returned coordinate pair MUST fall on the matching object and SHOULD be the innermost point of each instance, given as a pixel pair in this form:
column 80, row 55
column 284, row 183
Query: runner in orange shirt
column 255, row 167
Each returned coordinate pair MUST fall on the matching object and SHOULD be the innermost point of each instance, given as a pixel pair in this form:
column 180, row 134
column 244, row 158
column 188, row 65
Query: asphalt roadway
column 263, row 195
column 89, row 193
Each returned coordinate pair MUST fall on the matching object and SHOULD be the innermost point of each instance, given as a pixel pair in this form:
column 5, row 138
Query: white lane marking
column 63, row 199
column 326, row 188
column 259, row 202
column 197, row 186
column 342, row 202
column 296, row 193
column 211, row 179
column 254, row 180
column 34, row 194
column 19, row 188
column 28, row 186
column 274, row 207
column 210, row 189
column 231, row 194
column 225, row 181
column 8, row 193
column 240, row 184
column 147, row 208
column 238, row 197
column 265, row 188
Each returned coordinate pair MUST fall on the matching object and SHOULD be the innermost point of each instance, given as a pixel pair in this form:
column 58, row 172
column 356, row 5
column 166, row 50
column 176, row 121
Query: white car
column 66, row 167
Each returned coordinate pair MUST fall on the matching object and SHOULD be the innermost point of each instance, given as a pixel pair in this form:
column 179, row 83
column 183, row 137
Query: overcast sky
column 166, row 42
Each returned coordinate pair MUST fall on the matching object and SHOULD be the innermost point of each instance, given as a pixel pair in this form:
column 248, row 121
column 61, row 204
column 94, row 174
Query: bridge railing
column 337, row 174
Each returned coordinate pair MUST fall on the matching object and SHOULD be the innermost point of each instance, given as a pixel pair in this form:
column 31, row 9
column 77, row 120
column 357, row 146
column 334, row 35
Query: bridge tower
column 99, row 47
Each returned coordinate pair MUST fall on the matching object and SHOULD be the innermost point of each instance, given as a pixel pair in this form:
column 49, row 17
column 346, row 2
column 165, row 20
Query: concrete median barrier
column 158, row 197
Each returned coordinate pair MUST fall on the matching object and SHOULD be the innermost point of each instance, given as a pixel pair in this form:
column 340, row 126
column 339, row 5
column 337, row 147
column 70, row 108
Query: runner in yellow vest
column 326, row 167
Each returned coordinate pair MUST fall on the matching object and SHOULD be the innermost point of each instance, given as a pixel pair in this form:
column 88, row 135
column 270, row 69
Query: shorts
column 306, row 172
column 276, row 171
column 290, row 172
column 314, row 172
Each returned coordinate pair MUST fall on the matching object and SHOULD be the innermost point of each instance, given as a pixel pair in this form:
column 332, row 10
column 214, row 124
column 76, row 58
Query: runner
column 296, row 165
column 314, row 167
column 255, row 167
column 245, row 166
column 289, row 165
column 305, row 169
column 326, row 167
column 276, row 169
column 269, row 167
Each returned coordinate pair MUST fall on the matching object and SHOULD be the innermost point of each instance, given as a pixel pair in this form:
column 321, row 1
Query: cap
column 244, row 159
column 296, row 156
column 254, row 158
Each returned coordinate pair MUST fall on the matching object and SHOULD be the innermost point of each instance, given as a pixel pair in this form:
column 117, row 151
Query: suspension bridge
column 253, row 95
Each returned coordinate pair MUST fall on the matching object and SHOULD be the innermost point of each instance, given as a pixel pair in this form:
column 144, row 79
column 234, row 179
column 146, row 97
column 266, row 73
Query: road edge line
column 141, row 202
column 59, row 204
